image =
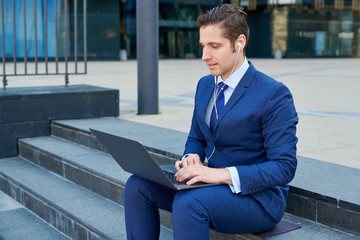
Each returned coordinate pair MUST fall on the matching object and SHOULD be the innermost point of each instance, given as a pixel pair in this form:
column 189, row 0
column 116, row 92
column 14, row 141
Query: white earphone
column 239, row 44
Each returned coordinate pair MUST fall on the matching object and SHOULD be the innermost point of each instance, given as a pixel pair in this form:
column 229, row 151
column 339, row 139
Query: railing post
column 75, row 36
column 35, row 34
column 85, row 37
column 66, row 80
column 4, row 82
column 14, row 34
column 25, row 50
column 46, row 37
column 3, row 43
column 56, row 39
column 66, row 43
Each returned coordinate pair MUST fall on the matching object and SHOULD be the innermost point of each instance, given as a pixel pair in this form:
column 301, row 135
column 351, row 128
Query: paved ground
column 326, row 93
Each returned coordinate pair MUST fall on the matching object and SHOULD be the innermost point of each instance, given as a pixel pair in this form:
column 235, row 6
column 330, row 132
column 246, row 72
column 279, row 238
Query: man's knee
column 188, row 205
column 133, row 181
column 133, row 186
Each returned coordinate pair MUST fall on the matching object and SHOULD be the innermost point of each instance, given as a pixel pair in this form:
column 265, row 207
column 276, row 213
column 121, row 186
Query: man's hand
column 199, row 173
column 191, row 159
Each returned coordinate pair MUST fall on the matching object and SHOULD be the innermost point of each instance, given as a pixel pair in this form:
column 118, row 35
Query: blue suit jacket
column 256, row 133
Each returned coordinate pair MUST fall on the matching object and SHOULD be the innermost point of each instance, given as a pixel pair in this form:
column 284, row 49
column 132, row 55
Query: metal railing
column 56, row 60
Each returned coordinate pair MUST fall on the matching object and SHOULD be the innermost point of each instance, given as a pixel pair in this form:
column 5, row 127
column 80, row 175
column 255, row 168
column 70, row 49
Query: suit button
column 218, row 149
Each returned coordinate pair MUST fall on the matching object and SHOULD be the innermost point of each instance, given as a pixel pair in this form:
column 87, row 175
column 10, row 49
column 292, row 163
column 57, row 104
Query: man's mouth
column 211, row 65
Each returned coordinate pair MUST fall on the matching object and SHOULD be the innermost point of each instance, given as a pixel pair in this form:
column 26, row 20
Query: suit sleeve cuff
column 236, row 187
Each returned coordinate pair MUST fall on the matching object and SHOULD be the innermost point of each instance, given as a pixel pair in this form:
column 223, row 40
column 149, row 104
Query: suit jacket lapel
column 238, row 92
column 205, row 92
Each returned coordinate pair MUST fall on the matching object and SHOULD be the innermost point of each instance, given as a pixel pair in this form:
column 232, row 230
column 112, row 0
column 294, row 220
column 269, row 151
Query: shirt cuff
column 236, row 187
column 185, row 156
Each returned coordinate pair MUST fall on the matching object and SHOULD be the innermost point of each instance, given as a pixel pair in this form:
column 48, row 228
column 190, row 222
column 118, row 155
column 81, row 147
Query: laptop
column 134, row 158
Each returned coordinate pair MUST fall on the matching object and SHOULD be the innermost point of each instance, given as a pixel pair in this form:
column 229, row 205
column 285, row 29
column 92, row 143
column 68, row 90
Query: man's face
column 218, row 53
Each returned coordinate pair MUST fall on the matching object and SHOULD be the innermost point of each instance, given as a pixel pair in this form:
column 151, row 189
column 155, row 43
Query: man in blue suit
column 244, row 126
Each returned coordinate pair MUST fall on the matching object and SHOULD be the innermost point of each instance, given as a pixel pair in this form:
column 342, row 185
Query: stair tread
column 90, row 159
column 18, row 223
column 311, row 230
column 88, row 207
column 164, row 140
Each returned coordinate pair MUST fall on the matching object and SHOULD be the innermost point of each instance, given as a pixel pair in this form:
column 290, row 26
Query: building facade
column 278, row 28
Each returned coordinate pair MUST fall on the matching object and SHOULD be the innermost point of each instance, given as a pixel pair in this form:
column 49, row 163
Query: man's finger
column 193, row 180
column 182, row 175
column 191, row 161
column 178, row 165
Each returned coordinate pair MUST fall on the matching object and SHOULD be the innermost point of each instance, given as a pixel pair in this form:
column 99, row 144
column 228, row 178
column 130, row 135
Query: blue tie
column 218, row 106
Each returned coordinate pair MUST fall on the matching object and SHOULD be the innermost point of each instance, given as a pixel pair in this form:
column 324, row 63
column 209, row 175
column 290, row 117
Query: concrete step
column 98, row 172
column 72, row 209
column 18, row 223
column 89, row 168
column 317, row 192
column 84, row 166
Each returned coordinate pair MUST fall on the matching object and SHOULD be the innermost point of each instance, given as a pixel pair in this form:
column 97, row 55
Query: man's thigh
column 226, row 212
column 149, row 193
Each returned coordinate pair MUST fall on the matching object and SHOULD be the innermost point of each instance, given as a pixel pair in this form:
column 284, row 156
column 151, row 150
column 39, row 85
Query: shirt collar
column 233, row 80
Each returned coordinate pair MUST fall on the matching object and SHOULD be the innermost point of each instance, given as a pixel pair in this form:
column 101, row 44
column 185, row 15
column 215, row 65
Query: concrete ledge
column 24, row 109
column 321, row 192
column 57, row 102
column 329, row 193
column 10, row 132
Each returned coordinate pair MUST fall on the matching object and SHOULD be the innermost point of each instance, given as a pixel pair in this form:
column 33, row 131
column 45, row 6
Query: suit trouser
column 193, row 211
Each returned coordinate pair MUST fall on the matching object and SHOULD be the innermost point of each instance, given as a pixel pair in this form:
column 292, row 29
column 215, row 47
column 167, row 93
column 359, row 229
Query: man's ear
column 242, row 40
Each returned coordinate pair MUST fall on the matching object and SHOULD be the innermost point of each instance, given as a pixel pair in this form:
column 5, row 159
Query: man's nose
column 205, row 55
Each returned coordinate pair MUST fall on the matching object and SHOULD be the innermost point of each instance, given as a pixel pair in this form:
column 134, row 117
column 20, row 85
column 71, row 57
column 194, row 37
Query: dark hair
column 231, row 18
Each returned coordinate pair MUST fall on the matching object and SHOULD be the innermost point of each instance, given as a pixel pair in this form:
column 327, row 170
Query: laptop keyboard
column 171, row 176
